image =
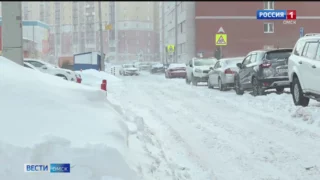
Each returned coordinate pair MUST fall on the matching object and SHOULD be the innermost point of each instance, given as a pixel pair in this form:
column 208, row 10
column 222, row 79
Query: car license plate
column 282, row 70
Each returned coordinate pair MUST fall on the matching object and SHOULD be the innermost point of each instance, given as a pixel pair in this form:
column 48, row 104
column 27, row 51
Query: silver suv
column 304, row 70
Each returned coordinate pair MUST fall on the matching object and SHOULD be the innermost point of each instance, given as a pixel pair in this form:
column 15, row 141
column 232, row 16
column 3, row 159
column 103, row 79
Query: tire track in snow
column 273, row 144
column 186, row 151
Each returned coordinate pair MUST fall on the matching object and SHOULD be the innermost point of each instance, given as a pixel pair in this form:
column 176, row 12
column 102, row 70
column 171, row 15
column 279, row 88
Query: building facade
column 245, row 33
column 136, row 36
column 35, row 39
column 177, row 27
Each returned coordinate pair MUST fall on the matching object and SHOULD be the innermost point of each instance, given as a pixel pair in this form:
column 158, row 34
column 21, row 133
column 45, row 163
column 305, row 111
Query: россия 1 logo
column 52, row 168
column 288, row 16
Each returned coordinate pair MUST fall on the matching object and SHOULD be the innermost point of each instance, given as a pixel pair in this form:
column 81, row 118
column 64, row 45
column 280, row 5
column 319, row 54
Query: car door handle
column 313, row 66
column 300, row 62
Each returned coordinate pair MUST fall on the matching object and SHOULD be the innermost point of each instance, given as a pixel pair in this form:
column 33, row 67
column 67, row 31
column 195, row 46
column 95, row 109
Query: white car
column 304, row 70
column 30, row 66
column 222, row 74
column 198, row 69
column 53, row 70
column 128, row 69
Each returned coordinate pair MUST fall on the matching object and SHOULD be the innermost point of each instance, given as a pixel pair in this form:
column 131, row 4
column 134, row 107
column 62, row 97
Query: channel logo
column 52, row 168
column 59, row 168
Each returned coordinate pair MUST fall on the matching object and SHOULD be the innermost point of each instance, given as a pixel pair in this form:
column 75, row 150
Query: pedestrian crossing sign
column 170, row 48
column 221, row 39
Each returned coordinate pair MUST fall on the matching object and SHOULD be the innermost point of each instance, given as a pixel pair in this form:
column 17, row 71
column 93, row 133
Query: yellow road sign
column 108, row 27
column 221, row 39
column 170, row 48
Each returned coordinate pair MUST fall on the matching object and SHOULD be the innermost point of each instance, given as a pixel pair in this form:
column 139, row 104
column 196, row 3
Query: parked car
column 263, row 69
column 176, row 71
column 144, row 66
column 198, row 69
column 51, row 69
column 222, row 74
column 30, row 66
column 304, row 70
column 157, row 68
column 128, row 69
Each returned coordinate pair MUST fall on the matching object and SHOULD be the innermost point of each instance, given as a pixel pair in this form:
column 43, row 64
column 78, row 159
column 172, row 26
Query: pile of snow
column 94, row 79
column 45, row 119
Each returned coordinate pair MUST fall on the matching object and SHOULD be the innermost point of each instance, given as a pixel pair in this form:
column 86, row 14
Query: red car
column 176, row 71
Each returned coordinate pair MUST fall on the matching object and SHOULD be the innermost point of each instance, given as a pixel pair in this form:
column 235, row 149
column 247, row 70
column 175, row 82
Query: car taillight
column 265, row 65
column 228, row 71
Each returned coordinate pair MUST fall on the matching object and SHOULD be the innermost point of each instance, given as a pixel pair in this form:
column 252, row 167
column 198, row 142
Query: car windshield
column 128, row 66
column 275, row 55
column 204, row 62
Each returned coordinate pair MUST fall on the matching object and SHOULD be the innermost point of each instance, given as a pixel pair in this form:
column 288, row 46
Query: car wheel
column 257, row 88
column 237, row 87
column 221, row 86
column 209, row 84
column 297, row 94
column 194, row 81
column 280, row 89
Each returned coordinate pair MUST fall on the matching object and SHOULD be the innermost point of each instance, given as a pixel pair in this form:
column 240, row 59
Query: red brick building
column 245, row 32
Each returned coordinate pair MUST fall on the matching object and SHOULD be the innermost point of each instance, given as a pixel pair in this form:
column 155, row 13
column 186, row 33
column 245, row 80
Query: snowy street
column 207, row 134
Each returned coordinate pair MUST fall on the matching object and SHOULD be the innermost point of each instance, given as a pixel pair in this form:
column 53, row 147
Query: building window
column 148, row 50
column 137, row 17
column 137, row 33
column 268, row 4
column 148, row 18
column 137, row 25
column 183, row 27
column 123, row 34
column 138, row 42
column 268, row 27
column 125, row 24
column 125, row 17
column 149, row 42
column 148, row 34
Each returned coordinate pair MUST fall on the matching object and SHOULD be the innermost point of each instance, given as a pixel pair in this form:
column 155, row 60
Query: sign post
column 221, row 40
column 301, row 31
column 170, row 49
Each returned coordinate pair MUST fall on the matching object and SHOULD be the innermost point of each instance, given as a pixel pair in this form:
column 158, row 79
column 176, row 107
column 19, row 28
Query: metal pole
column 12, row 39
column 176, row 31
column 101, row 39
column 127, row 50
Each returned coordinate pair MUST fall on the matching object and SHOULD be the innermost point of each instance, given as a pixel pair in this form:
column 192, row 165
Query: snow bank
column 94, row 78
column 45, row 119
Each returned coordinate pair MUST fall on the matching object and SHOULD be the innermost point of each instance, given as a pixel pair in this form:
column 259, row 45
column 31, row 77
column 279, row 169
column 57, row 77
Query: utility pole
column 176, row 31
column 101, row 39
column 12, row 40
column 164, row 54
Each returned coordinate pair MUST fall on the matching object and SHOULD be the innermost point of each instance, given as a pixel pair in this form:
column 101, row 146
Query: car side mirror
column 211, row 68
column 190, row 65
column 44, row 67
column 239, row 65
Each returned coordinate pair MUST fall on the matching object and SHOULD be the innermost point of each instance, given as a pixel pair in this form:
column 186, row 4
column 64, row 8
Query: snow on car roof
column 177, row 65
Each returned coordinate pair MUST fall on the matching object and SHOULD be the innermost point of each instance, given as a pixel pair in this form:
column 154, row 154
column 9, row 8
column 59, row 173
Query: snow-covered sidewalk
column 206, row 134
column 45, row 119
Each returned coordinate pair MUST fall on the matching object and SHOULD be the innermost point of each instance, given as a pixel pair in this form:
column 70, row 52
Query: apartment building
column 135, row 31
column 75, row 27
column 177, row 27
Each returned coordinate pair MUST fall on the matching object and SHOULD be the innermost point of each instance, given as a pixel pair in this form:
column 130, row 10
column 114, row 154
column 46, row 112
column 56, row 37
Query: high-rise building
column 135, row 31
column 177, row 27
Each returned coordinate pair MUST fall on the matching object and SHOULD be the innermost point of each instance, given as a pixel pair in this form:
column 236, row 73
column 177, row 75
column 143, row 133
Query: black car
column 157, row 68
column 263, row 69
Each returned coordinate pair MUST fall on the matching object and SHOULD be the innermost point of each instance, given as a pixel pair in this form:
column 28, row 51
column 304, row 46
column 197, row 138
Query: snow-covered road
column 205, row 134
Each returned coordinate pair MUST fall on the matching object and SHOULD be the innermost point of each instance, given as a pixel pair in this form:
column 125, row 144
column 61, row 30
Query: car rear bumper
column 178, row 74
column 271, row 83
column 131, row 72
column 202, row 79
